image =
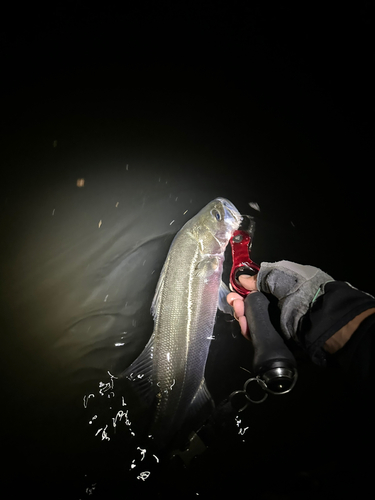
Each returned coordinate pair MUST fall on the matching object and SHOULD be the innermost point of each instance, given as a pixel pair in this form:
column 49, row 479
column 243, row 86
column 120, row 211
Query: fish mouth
column 231, row 214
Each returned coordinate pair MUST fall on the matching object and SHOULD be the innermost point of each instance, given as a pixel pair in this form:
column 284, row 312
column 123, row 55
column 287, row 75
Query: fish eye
column 216, row 214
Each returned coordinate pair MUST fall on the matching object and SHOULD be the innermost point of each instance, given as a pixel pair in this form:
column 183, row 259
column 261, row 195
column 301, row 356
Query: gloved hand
column 295, row 286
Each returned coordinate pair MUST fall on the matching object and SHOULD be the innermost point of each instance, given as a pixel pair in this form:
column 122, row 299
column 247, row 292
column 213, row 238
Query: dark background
column 161, row 105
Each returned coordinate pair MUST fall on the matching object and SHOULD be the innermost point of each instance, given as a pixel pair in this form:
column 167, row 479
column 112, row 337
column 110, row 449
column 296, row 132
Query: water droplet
column 254, row 205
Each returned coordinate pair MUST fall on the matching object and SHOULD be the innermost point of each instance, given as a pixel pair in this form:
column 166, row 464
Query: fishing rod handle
column 273, row 362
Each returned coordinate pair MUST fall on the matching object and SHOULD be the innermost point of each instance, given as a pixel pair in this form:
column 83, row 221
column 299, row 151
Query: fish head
column 215, row 224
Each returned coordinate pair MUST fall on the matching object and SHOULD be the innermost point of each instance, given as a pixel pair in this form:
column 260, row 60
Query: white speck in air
column 104, row 433
column 117, row 204
column 143, row 452
column 212, row 337
column 127, row 166
column 106, row 297
column 241, row 431
column 156, row 458
column 127, row 421
column 144, row 262
column 171, row 222
column 254, row 205
column 104, row 387
column 112, row 376
column 100, row 223
column 176, row 199
column 144, row 475
column 86, row 398
column 153, row 271
column 119, row 344
column 173, row 383
column 118, row 416
column 186, row 211
column 53, row 212
column 93, row 418
column 292, row 223
column 90, row 490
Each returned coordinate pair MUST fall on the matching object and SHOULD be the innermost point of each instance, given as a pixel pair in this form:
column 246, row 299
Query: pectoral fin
column 222, row 303
column 206, row 267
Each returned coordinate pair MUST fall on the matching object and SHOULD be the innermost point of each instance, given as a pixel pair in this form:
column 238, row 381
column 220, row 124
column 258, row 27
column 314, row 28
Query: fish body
column 169, row 373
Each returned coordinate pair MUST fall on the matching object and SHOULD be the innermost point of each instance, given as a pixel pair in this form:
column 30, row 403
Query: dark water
column 277, row 125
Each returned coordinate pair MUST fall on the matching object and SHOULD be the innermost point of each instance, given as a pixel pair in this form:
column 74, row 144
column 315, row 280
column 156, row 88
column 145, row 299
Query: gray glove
column 295, row 286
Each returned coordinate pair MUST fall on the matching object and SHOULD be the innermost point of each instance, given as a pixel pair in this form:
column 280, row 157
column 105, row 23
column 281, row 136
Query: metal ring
column 234, row 394
column 266, row 389
column 259, row 382
column 244, row 392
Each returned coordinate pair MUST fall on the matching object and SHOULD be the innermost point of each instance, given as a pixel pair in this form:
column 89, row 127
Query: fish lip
column 231, row 211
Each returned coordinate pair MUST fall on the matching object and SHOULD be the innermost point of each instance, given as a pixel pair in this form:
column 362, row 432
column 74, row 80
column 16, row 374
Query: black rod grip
column 270, row 350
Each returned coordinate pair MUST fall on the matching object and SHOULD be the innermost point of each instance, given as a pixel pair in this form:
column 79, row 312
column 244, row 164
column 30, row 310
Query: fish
column 169, row 373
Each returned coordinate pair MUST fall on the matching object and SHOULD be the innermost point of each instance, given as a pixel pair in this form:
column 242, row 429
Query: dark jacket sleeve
column 339, row 304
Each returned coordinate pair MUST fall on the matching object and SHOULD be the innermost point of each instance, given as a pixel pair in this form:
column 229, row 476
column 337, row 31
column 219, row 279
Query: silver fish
column 169, row 373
